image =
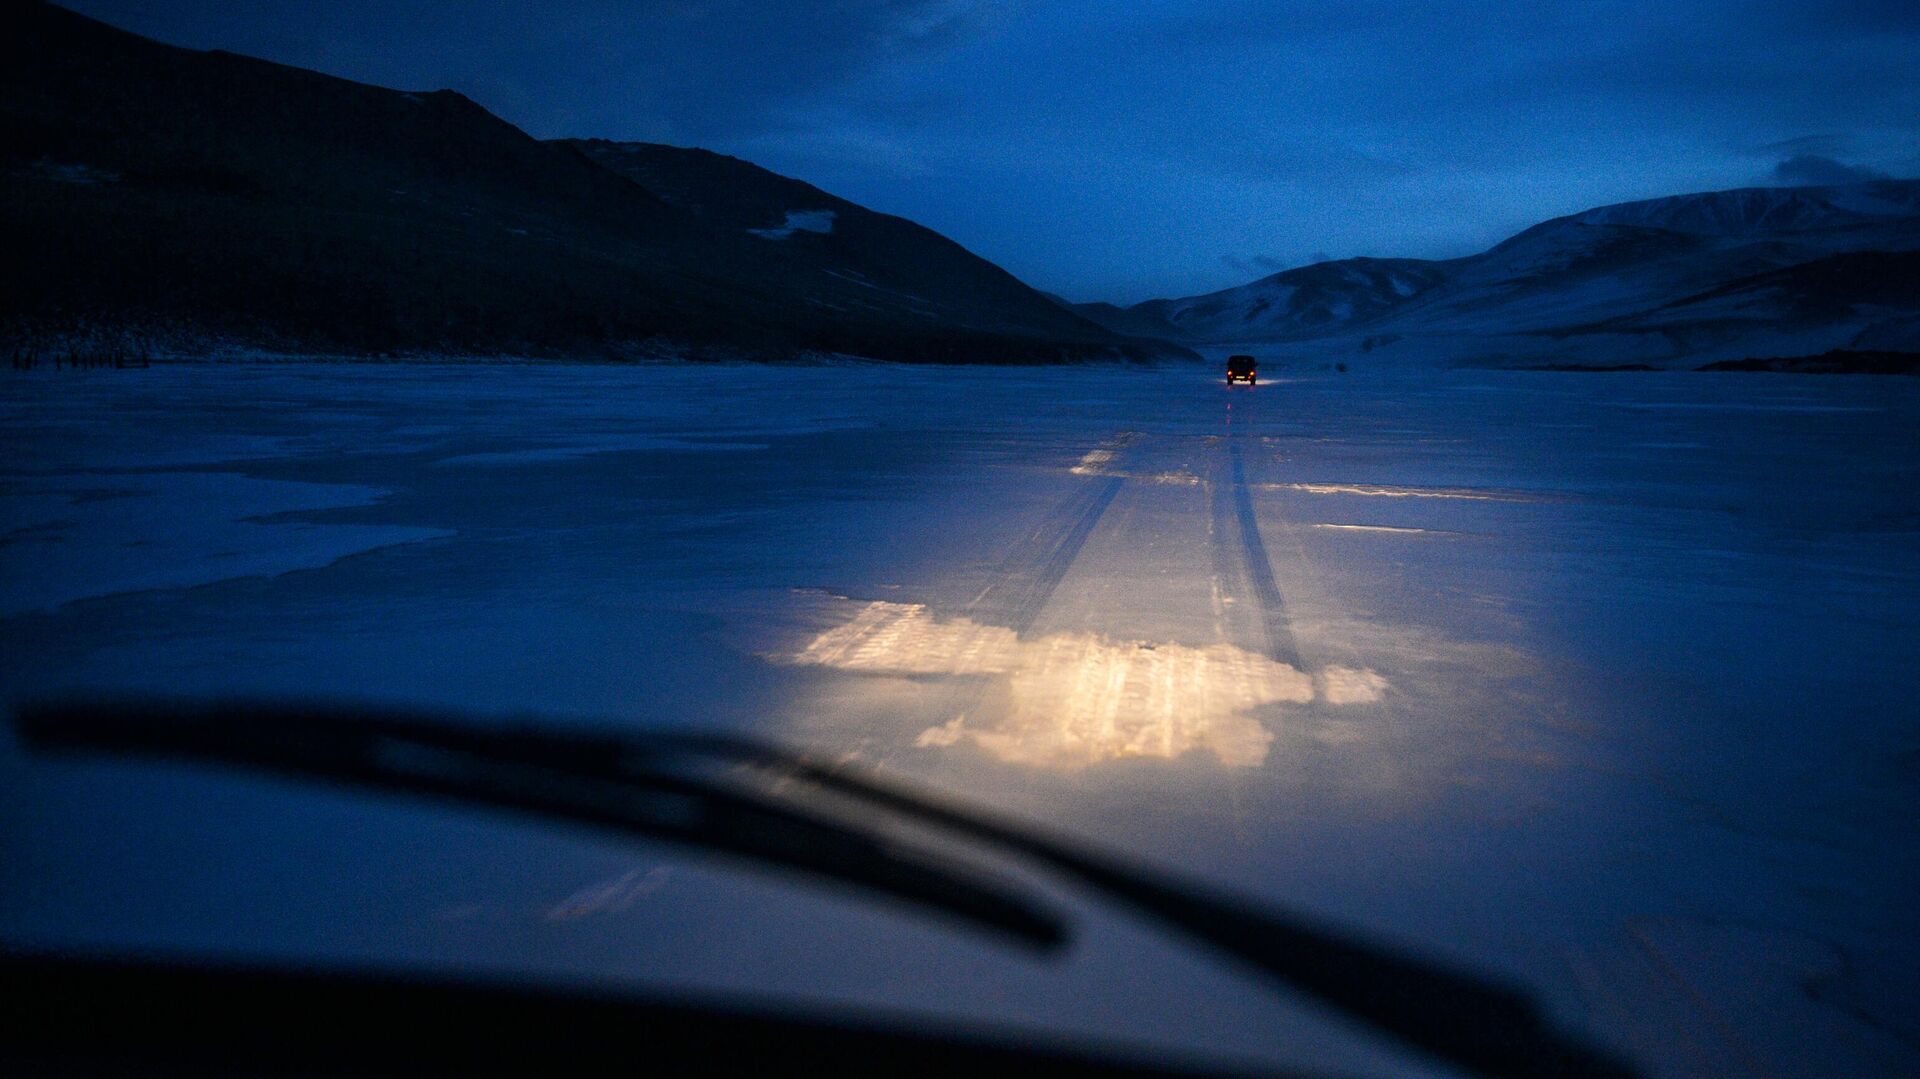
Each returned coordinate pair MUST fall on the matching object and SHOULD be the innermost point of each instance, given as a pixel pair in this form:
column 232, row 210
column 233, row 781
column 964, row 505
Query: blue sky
column 1125, row 150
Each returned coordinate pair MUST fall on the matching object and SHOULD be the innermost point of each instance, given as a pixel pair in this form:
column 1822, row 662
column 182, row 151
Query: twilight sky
column 1125, row 149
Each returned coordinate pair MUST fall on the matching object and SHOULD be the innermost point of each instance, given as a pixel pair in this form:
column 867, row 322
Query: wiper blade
column 1462, row 1017
column 649, row 783
column 611, row 782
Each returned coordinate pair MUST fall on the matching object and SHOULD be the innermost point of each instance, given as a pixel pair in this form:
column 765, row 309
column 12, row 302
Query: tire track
column 1275, row 625
column 1026, row 580
column 1228, row 566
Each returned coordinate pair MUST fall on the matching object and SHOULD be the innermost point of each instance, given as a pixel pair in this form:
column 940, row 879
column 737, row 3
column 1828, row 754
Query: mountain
column 880, row 263
column 1300, row 301
column 202, row 198
column 1743, row 273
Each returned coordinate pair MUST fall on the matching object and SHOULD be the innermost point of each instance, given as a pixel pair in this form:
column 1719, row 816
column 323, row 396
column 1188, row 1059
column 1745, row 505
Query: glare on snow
column 1075, row 699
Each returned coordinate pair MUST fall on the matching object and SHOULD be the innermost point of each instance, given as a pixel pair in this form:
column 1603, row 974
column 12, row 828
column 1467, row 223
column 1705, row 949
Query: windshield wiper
column 1462, row 1017
column 653, row 784
column 612, row 782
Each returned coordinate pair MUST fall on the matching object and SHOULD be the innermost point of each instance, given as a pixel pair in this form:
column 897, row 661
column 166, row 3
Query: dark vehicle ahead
column 1242, row 369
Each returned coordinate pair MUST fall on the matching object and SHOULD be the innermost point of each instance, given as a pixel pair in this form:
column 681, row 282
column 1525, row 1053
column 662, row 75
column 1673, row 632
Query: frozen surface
column 78, row 535
column 1607, row 683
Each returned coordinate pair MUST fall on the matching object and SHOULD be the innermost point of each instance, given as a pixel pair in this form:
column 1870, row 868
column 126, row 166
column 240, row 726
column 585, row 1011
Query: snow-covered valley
column 1667, row 282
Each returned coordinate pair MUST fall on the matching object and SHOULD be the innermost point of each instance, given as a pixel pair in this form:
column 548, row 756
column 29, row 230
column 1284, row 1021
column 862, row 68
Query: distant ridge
column 1665, row 282
column 203, row 199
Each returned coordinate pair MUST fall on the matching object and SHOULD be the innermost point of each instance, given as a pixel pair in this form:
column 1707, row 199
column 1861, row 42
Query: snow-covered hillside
column 1303, row 300
column 1759, row 210
column 1670, row 281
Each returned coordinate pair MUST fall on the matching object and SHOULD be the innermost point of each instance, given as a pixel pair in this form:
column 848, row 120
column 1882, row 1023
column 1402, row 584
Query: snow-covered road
column 1606, row 682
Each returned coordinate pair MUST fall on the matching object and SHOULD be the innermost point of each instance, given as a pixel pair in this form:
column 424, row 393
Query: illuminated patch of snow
column 1377, row 491
column 1383, row 528
column 904, row 638
column 1093, row 463
column 1075, row 699
column 820, row 221
column 1175, row 478
column 1348, row 685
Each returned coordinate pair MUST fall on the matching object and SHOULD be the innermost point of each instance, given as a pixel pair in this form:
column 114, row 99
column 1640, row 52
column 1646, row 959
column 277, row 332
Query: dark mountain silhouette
column 894, row 267
column 1837, row 362
column 203, row 197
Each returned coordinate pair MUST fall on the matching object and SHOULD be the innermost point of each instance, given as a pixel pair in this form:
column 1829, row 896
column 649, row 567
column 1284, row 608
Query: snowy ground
column 1607, row 682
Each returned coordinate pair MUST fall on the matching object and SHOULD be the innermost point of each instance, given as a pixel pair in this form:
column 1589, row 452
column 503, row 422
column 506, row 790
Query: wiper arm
column 609, row 782
column 1458, row 1016
column 647, row 783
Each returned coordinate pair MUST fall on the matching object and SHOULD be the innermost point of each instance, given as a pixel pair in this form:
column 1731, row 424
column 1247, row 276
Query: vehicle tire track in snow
column 1229, row 570
column 1029, row 577
column 1277, row 626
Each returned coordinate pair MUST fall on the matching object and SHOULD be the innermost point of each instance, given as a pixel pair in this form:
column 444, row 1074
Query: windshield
column 1375, row 651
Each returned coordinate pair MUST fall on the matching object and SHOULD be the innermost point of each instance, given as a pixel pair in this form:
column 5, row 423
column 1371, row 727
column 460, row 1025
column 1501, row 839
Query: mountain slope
column 195, row 196
column 1300, row 301
column 1648, row 281
column 1752, row 211
column 891, row 262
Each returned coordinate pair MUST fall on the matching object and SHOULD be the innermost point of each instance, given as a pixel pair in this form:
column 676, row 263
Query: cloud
column 675, row 70
column 1310, row 162
column 1816, row 170
column 715, row 69
column 1827, row 145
